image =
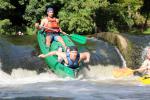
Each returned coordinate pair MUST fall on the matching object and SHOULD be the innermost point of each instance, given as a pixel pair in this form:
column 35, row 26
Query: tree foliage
column 77, row 15
column 81, row 16
column 145, row 10
column 5, row 26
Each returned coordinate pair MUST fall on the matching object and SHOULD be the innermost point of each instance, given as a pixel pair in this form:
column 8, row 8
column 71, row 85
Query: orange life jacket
column 53, row 24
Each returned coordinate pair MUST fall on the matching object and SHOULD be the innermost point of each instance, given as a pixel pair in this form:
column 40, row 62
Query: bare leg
column 62, row 42
column 48, row 40
column 60, row 59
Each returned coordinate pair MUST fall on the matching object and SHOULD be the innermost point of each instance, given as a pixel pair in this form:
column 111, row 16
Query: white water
column 23, row 76
column 122, row 58
column 144, row 52
column 28, row 85
column 95, row 83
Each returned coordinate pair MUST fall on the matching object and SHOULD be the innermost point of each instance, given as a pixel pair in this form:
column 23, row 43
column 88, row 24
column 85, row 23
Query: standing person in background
column 52, row 29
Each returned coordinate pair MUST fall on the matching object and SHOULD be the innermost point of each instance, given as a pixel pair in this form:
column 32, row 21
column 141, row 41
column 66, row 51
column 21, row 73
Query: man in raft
column 51, row 27
column 71, row 57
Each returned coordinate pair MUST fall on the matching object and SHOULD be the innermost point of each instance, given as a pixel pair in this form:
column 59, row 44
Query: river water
column 23, row 76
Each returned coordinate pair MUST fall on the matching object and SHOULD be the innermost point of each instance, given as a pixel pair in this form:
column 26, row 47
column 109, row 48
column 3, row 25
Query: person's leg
column 60, row 39
column 48, row 40
column 60, row 49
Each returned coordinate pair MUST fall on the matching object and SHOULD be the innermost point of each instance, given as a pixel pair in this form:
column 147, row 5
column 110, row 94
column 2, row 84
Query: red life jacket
column 52, row 23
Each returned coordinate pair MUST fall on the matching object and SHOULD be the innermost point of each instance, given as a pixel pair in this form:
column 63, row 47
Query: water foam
column 144, row 52
column 98, row 72
column 23, row 76
column 122, row 58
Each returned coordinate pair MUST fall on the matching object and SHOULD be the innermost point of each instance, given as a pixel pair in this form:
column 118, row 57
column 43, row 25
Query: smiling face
column 50, row 13
column 73, row 52
column 73, row 55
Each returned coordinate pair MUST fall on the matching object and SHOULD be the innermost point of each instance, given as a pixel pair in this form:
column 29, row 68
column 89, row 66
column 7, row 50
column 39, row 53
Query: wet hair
column 50, row 9
column 72, row 48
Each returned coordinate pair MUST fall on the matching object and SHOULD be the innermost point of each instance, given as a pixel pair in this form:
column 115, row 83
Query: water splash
column 24, row 67
column 144, row 52
column 98, row 72
column 0, row 64
column 122, row 58
column 23, row 76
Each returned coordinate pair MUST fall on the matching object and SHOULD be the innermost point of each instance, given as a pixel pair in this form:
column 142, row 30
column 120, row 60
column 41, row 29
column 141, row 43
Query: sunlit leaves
column 5, row 4
column 77, row 15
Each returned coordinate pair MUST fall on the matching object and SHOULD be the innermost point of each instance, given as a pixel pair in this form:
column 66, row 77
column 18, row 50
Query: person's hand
column 41, row 56
column 86, row 61
column 64, row 33
column 87, row 57
column 36, row 25
column 56, row 30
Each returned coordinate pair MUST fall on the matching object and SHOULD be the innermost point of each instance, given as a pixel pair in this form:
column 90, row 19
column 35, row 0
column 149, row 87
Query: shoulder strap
column 68, row 58
column 77, row 59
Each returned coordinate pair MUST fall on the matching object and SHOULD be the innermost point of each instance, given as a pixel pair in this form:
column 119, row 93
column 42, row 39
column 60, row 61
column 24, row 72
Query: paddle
column 75, row 37
column 48, row 28
column 122, row 72
column 78, row 38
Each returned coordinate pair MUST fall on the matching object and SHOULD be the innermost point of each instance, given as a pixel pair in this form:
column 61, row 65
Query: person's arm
column 85, row 57
column 36, row 25
column 62, row 31
column 87, row 60
column 143, row 67
column 42, row 22
column 41, row 26
column 57, row 20
column 48, row 54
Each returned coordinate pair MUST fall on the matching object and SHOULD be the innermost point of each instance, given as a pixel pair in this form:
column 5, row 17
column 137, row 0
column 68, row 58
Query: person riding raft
column 51, row 26
column 71, row 57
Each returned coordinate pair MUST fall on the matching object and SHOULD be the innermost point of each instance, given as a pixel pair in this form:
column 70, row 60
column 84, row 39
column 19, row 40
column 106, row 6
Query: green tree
column 5, row 26
column 5, row 23
column 77, row 15
column 118, row 14
column 13, row 10
column 145, row 10
column 81, row 16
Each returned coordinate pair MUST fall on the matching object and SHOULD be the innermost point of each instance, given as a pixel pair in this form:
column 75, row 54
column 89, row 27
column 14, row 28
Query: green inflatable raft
column 58, row 68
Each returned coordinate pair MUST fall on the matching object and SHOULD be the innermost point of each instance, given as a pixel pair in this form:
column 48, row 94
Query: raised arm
column 85, row 56
column 48, row 54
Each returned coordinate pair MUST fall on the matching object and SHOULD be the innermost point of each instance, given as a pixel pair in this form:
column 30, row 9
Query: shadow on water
column 20, row 40
column 17, row 52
